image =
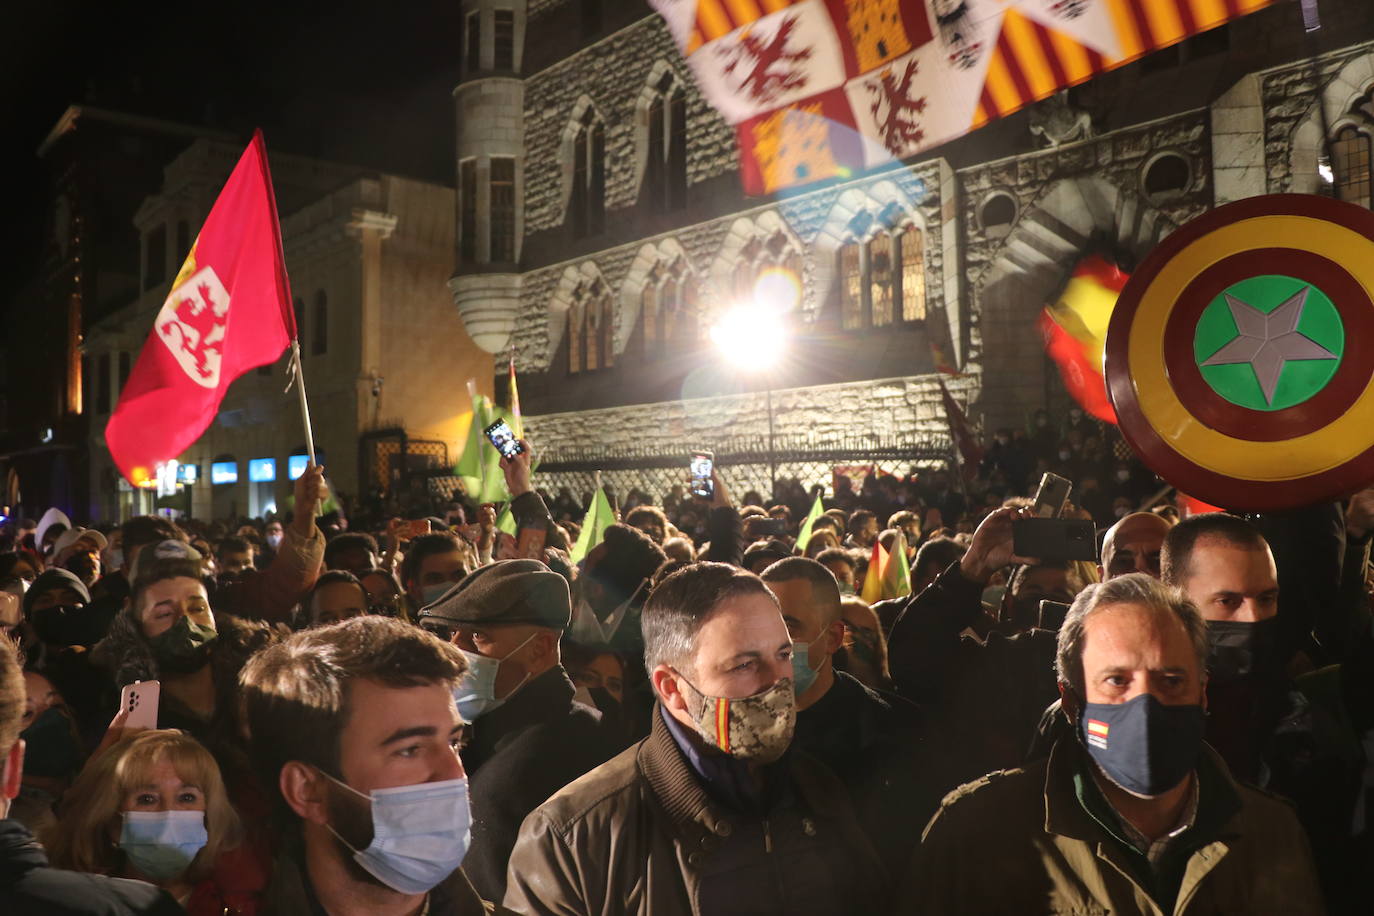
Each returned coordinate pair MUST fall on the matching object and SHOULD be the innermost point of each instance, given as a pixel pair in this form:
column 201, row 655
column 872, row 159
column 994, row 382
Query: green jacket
column 1041, row 840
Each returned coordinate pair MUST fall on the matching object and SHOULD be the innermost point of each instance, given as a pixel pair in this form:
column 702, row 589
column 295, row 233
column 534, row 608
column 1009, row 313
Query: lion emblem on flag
column 192, row 324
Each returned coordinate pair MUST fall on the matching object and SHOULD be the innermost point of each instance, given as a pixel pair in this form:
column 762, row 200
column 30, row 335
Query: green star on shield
column 1269, row 342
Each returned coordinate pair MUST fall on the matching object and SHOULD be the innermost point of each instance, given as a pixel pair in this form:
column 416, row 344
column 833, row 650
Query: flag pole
column 305, row 405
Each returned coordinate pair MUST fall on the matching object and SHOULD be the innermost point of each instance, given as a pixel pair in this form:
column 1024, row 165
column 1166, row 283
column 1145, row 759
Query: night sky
column 353, row 82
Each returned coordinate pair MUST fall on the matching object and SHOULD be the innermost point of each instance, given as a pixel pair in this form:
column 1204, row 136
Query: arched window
column 587, row 203
column 668, row 310
column 882, row 278
column 1350, row 160
column 591, row 328
column 319, row 341
column 665, row 171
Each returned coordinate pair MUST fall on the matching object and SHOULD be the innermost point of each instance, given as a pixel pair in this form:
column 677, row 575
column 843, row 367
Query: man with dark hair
column 934, row 557
column 1031, row 583
column 1133, row 812
column 433, row 565
column 612, row 589
column 841, row 565
column 710, row 813
column 528, row 737
column 863, row 530
column 355, row 552
column 338, row 595
column 650, row 520
column 354, row 730
column 234, row 557
column 28, row 887
column 873, row 742
column 759, row 555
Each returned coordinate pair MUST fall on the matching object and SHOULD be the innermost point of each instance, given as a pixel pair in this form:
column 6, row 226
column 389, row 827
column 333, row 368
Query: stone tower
column 490, row 102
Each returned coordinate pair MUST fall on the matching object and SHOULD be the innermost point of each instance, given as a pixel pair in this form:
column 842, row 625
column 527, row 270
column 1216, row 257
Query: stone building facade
column 628, row 222
column 385, row 357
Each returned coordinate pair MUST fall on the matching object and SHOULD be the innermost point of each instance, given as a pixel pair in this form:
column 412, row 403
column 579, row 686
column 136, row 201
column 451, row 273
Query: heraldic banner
column 229, row 311
column 820, row 89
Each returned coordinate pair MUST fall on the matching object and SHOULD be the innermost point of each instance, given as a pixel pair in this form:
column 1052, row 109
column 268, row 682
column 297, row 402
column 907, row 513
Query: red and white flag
column 229, row 311
column 818, row 89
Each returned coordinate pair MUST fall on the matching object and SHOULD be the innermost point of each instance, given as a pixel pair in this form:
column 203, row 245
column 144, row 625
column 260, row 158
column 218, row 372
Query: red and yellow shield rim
column 1206, row 446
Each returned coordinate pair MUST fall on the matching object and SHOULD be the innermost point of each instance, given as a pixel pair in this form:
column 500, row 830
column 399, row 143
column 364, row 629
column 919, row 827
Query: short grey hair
column 1136, row 588
column 680, row 605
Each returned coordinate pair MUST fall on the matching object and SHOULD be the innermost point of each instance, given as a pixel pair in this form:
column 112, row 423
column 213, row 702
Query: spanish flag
column 1075, row 331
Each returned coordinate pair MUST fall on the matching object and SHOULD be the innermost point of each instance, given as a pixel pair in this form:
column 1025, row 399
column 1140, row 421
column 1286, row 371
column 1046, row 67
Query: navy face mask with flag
column 1144, row 746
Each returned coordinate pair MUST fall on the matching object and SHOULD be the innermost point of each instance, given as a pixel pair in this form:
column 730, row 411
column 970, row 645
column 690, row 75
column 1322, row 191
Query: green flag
column 506, row 521
column 480, row 465
column 599, row 517
column 804, row 536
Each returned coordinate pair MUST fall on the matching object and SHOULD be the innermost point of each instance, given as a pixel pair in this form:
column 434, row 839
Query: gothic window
column 502, row 209
column 503, row 35
column 882, row 278
column 668, row 310
column 587, row 203
column 473, row 48
column 183, row 239
column 911, row 278
column 319, row 344
column 590, row 328
column 1350, row 160
column 467, row 203
column 665, row 171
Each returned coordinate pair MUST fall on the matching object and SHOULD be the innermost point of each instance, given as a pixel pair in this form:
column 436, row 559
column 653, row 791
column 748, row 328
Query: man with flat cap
column 527, row 736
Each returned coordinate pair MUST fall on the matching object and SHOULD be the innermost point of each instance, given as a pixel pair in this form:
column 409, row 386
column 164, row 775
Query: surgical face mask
column 113, row 558
column 1065, row 454
column 274, row 541
column 1143, row 745
column 1239, row 649
column 433, row 593
column 1123, row 475
column 757, row 728
column 420, row 834
column 802, row 672
column 476, row 692
column 183, row 648
column 162, row 844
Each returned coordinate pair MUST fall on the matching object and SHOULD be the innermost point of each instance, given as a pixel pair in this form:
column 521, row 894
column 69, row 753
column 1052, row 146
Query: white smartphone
column 139, row 699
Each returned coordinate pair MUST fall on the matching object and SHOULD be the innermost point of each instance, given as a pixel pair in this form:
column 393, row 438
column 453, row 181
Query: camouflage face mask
column 757, row 728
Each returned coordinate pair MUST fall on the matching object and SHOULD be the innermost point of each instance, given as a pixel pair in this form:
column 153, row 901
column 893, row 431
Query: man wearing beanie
column 527, row 737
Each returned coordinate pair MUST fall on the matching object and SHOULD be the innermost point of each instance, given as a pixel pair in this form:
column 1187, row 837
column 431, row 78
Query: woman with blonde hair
column 152, row 806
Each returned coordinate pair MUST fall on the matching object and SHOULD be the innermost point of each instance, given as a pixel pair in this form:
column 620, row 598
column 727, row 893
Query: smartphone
column 702, row 464
column 418, row 527
column 503, row 437
column 1052, row 614
column 772, row 528
column 1054, row 538
column 1051, row 495
column 139, row 699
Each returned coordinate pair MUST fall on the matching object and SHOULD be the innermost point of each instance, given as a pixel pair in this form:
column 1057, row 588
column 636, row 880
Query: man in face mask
column 711, row 813
column 79, row 550
column 434, row 563
column 1132, row 812
column 527, row 736
column 355, row 727
column 873, row 742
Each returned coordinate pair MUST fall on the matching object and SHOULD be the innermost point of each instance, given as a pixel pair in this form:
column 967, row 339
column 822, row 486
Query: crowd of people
column 700, row 715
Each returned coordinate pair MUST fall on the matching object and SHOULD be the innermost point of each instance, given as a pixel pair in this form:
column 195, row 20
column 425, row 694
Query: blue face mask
column 476, row 692
column 1143, row 745
column 162, row 844
column 420, row 833
column 803, row 675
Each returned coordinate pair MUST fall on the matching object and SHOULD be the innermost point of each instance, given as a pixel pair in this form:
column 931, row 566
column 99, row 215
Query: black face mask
column 67, row 625
column 1241, row 649
column 52, row 748
column 183, row 648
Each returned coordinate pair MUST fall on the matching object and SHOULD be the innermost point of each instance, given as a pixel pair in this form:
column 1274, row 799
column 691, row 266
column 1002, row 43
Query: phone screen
column 702, row 485
column 503, row 437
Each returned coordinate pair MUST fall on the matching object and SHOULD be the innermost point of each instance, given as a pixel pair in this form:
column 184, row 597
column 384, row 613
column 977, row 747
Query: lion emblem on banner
column 192, row 324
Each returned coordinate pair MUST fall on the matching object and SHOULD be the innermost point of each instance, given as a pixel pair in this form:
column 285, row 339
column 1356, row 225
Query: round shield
column 1240, row 356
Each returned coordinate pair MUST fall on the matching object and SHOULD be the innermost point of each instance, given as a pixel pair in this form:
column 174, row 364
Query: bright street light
column 752, row 335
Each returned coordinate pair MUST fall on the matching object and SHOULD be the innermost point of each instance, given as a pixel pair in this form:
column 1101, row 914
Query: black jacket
column 877, row 745
column 28, row 887
column 518, row 755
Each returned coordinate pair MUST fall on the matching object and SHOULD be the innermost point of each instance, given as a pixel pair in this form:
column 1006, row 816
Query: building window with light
column 882, row 278
column 591, row 328
column 1350, row 161
column 665, row 168
column 502, row 209
column 668, row 311
column 587, row 202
